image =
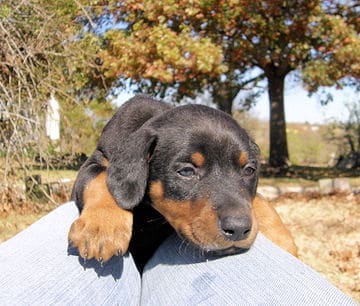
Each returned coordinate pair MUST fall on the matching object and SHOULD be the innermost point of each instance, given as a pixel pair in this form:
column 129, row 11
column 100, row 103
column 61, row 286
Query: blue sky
column 299, row 107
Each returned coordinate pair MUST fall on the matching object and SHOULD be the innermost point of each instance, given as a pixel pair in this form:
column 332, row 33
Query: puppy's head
column 203, row 176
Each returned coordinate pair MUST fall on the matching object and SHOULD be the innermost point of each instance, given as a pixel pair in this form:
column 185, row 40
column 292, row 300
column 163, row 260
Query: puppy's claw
column 101, row 262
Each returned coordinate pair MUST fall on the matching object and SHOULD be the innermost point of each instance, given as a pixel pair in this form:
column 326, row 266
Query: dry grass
column 14, row 220
column 326, row 231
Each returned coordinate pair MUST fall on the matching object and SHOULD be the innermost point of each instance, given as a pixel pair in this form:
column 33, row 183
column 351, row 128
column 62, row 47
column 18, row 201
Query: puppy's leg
column 271, row 225
column 103, row 228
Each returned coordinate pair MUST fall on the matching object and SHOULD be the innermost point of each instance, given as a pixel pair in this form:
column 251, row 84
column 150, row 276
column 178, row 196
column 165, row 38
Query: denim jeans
column 37, row 269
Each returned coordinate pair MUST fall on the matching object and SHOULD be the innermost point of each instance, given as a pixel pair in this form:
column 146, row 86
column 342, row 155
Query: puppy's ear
column 129, row 168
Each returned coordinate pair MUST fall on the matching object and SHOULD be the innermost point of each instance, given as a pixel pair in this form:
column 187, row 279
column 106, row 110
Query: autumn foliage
column 191, row 46
column 175, row 41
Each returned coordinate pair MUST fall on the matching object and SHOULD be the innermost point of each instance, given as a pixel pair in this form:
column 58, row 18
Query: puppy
column 159, row 168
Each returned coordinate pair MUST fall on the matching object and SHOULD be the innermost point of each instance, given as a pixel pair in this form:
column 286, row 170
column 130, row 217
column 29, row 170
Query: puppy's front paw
column 101, row 233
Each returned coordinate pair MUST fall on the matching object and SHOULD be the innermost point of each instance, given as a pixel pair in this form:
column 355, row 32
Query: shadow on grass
column 308, row 173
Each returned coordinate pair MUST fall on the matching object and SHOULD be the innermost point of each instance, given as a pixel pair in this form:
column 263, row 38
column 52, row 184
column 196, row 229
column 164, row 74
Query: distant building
column 53, row 119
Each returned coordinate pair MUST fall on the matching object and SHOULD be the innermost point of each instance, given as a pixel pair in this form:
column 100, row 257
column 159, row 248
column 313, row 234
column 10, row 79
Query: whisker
column 156, row 219
column 183, row 241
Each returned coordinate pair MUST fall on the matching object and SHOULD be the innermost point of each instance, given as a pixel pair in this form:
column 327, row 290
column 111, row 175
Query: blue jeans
column 35, row 269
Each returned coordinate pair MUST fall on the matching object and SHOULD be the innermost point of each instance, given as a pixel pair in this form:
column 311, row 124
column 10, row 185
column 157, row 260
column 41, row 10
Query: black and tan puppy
column 157, row 168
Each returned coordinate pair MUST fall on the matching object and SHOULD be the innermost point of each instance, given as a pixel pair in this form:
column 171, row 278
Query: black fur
column 147, row 140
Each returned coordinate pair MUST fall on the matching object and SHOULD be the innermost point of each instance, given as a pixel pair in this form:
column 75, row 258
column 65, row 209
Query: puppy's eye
column 187, row 171
column 248, row 171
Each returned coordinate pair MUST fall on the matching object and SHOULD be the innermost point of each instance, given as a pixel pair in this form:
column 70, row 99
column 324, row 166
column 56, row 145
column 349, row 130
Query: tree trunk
column 225, row 105
column 224, row 95
column 279, row 156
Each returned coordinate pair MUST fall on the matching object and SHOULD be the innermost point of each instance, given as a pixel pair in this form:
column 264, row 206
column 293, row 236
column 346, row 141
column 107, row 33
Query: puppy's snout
column 236, row 228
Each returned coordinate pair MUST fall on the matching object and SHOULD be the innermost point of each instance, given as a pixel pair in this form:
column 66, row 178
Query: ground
column 325, row 229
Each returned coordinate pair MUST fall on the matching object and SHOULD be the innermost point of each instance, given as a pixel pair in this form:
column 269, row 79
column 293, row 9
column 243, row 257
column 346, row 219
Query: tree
column 40, row 54
column 198, row 45
column 346, row 133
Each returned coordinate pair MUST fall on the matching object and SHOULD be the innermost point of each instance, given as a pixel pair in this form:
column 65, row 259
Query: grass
column 49, row 176
column 16, row 212
column 326, row 232
column 282, row 182
column 304, row 176
column 14, row 221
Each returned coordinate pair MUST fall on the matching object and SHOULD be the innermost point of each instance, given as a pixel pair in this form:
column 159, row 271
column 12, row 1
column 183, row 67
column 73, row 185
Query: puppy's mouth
column 228, row 251
column 213, row 249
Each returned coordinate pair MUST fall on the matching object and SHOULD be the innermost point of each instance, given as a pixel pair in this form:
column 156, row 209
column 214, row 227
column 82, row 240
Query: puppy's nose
column 236, row 228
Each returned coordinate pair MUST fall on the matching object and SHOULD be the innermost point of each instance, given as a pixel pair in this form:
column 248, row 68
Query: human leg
column 180, row 275
column 36, row 269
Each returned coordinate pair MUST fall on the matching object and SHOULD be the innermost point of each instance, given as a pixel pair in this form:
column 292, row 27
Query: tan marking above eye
column 105, row 162
column 156, row 190
column 198, row 159
column 243, row 158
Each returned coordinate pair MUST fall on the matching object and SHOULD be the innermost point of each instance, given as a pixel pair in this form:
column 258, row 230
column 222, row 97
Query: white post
column 53, row 119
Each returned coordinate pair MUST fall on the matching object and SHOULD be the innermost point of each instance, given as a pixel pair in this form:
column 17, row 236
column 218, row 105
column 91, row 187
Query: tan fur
column 271, row 225
column 198, row 159
column 103, row 228
column 105, row 163
column 243, row 158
